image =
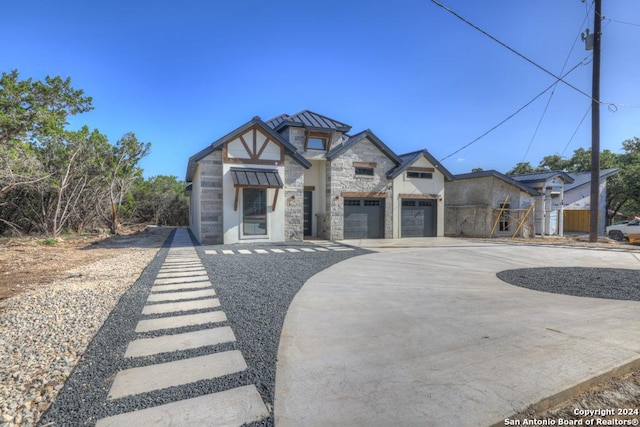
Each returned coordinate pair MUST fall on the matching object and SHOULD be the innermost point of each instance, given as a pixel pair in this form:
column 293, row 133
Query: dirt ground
column 35, row 261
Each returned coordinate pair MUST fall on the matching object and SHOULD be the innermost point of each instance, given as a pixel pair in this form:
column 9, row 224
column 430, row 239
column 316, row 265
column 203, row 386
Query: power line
column 575, row 131
column 623, row 22
column 546, row 107
column 511, row 49
column 513, row 114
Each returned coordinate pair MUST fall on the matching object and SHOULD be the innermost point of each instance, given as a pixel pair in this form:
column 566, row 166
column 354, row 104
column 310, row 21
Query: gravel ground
column 255, row 292
column 609, row 283
column 45, row 331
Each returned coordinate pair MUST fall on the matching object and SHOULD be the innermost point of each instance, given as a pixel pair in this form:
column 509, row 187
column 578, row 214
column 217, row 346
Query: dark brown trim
column 311, row 134
column 246, row 146
column 421, row 170
column 255, row 162
column 275, row 199
column 365, row 165
column 235, row 202
column 418, row 196
column 309, row 188
column 352, row 194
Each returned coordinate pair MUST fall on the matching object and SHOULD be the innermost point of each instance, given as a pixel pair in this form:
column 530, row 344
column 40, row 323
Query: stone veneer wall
column 341, row 177
column 293, row 187
column 212, row 231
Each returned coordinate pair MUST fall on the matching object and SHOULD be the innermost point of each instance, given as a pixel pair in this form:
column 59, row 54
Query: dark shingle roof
column 409, row 158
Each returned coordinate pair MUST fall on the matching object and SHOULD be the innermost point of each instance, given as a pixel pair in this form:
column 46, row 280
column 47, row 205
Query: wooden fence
column 575, row 220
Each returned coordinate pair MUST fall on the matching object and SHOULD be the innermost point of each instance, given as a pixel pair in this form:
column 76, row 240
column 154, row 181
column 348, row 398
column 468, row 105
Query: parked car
column 622, row 231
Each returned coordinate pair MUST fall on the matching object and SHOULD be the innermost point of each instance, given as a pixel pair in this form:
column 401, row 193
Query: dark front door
column 308, row 213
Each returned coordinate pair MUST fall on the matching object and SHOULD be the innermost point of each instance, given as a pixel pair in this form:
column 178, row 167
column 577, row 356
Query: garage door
column 363, row 218
column 418, row 218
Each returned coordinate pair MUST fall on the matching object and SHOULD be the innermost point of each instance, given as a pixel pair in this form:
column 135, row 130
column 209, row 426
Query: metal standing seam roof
column 530, row 178
column 353, row 140
column 309, row 120
column 500, row 176
column 409, row 158
column 267, row 178
column 584, row 178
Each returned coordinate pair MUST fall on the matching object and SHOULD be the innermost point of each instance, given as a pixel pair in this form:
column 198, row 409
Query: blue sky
column 182, row 74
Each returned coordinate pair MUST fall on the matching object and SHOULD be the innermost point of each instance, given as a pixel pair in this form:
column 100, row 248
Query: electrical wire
column 535, row 64
column 546, row 107
column 575, row 131
column 623, row 22
column 559, row 79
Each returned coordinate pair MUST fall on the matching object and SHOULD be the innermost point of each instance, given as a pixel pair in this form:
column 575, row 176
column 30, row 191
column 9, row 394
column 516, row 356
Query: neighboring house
column 577, row 200
column 548, row 204
column 304, row 176
column 488, row 203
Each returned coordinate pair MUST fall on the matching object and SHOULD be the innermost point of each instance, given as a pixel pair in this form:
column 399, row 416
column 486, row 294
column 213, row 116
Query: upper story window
column 364, row 168
column 364, row 171
column 317, row 141
column 420, row 173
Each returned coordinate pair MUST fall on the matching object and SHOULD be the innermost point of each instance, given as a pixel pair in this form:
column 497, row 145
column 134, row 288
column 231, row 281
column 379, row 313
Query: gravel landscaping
column 255, row 292
column 609, row 283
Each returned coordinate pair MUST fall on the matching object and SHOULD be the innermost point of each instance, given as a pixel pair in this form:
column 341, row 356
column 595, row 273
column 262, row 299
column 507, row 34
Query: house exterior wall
column 404, row 185
column 341, row 178
column 209, row 192
column 473, row 207
column 194, row 205
column 579, row 198
column 294, row 200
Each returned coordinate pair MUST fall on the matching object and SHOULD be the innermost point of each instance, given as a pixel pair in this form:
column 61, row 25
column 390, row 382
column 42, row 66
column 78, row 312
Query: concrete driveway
column 429, row 336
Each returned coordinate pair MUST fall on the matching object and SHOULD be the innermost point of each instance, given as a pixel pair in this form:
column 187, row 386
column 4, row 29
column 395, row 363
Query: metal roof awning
column 265, row 178
column 255, row 178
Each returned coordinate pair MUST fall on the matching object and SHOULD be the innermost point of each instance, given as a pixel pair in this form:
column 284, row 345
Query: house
column 488, row 203
column 305, row 176
column 549, row 203
column 577, row 200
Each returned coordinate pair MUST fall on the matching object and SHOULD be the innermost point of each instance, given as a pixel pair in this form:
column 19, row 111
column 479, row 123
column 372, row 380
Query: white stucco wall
column 418, row 186
column 233, row 218
column 316, row 177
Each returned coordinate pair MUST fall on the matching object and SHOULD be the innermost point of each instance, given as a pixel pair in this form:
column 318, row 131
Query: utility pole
column 595, row 126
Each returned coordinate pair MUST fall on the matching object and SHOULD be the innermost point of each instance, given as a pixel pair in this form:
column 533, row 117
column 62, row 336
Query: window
column 316, row 143
column 421, row 175
column 425, row 203
column 254, row 211
column 372, row 202
column 364, row 171
column 504, row 218
column 351, row 202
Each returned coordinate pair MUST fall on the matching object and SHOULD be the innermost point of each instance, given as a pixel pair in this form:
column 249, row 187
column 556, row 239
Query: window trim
column 361, row 171
column 419, row 175
column 325, row 137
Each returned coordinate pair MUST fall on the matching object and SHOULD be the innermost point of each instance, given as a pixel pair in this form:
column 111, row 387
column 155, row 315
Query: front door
column 308, row 216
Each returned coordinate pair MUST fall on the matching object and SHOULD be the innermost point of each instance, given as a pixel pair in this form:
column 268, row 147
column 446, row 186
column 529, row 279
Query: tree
column 474, row 170
column 122, row 171
column 521, row 168
column 552, row 163
column 161, row 200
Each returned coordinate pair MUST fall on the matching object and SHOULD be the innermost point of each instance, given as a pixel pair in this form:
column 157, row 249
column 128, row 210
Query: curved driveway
column 429, row 336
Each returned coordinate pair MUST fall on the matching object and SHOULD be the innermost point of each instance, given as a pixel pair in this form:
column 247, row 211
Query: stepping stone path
column 321, row 246
column 183, row 285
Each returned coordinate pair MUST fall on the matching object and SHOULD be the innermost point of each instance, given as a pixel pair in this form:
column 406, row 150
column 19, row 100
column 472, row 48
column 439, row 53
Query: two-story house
column 304, row 175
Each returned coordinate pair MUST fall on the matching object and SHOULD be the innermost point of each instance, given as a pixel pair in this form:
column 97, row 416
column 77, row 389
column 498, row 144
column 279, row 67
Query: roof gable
column 410, row 158
column 539, row 177
column 497, row 175
column 584, row 178
column 353, row 140
column 255, row 122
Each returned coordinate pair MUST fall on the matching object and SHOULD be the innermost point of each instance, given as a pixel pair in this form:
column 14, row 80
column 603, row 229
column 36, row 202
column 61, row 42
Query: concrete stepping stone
column 180, row 321
column 178, row 342
column 322, row 249
column 172, row 307
column 227, row 252
column 277, row 251
column 180, row 286
column 211, row 252
column 291, row 250
column 244, row 251
column 173, row 274
column 174, row 280
column 307, row 250
column 235, row 407
column 162, row 375
column 182, row 295
column 261, row 251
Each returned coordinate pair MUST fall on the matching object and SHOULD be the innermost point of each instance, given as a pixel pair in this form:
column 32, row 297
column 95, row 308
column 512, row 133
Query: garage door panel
column 363, row 218
column 418, row 218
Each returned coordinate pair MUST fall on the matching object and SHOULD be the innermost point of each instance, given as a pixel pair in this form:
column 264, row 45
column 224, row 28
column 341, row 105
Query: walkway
column 182, row 284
